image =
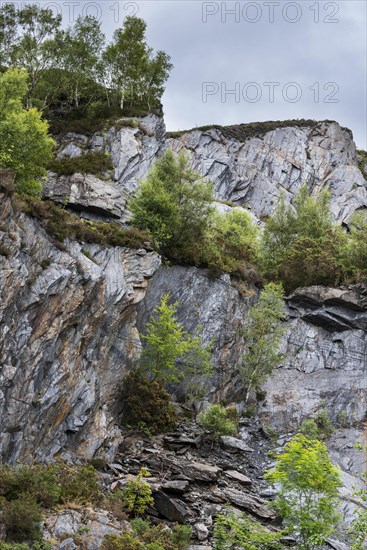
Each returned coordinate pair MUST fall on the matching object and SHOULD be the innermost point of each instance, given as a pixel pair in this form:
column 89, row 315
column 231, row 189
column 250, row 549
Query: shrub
column 148, row 402
column 239, row 531
column 21, row 518
column 37, row 480
column 79, row 484
column 231, row 243
column 126, row 123
column 218, row 420
column 147, row 537
column 324, row 424
column 125, row 541
column 25, row 146
column 136, row 497
column 310, row 429
column 181, row 535
column 301, row 245
column 92, row 162
column 12, row 546
column 174, row 205
column 170, row 353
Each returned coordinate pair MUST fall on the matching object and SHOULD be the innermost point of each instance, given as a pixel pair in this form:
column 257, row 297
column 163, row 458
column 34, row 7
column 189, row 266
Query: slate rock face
column 325, row 363
column 132, row 150
column 70, row 325
column 250, row 173
column 68, row 333
column 254, row 172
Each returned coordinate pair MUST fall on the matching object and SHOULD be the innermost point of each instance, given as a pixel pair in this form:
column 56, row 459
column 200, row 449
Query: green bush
column 147, row 402
column 136, row 497
column 79, row 484
column 21, row 518
column 25, row 146
column 12, row 546
column 263, row 333
column 125, row 541
column 92, row 162
column 239, row 531
column 310, row 429
column 181, row 535
column 319, row 427
column 301, row 245
column 231, row 243
column 37, row 480
column 171, row 354
column 126, row 123
column 307, row 497
column 324, row 424
column 147, row 537
column 218, row 420
column 174, row 205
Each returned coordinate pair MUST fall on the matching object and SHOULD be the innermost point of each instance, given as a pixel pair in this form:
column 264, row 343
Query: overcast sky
column 280, row 59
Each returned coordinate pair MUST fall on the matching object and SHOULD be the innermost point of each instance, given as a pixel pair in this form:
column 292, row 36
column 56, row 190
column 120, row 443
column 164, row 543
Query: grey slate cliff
column 70, row 322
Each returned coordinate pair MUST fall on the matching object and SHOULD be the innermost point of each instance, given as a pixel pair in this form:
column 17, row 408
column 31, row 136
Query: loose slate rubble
column 170, row 508
column 235, row 444
column 253, row 504
column 237, row 476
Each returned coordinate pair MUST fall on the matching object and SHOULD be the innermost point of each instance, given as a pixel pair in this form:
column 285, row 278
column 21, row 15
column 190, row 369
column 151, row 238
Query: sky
column 250, row 61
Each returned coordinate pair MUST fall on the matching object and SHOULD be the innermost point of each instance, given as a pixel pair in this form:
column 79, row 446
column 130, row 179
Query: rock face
column 325, row 362
column 132, row 149
column 87, row 194
column 254, row 172
column 68, row 334
column 70, row 324
column 250, row 173
column 70, row 318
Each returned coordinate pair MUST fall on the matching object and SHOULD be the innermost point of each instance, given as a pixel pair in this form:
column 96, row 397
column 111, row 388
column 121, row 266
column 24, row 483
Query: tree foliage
column 136, row 496
column 263, row 333
column 131, row 69
column 308, row 495
column 301, row 245
column 231, row 242
column 72, row 64
column 79, row 50
column 174, row 204
column 171, row 354
column 25, row 146
column 27, row 40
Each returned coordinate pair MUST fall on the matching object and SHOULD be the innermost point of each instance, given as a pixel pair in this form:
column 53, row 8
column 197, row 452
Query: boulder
column 233, row 443
column 251, row 503
column 170, row 508
column 201, row 472
column 237, row 476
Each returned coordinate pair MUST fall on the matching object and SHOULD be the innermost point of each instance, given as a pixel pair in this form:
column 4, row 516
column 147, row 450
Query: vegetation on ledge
column 61, row 225
column 92, row 162
column 242, row 132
